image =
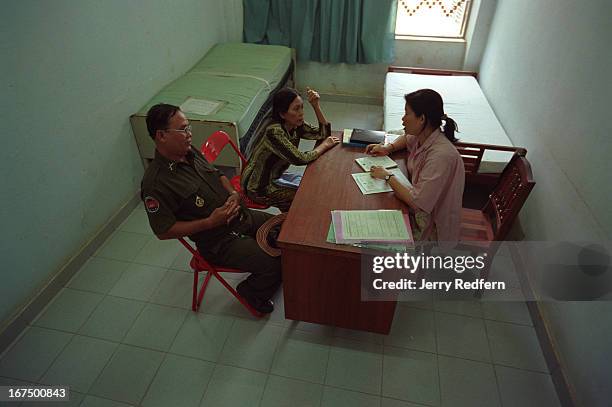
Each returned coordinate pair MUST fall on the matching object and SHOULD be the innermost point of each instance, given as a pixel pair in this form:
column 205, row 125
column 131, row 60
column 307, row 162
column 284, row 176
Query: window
column 432, row 18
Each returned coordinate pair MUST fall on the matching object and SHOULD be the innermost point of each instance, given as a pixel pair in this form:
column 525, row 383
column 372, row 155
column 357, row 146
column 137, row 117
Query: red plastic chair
column 199, row 264
column 211, row 150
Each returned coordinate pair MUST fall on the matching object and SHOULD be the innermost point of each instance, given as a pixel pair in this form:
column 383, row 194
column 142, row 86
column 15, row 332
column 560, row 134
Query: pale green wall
column 546, row 72
column 477, row 32
column 72, row 73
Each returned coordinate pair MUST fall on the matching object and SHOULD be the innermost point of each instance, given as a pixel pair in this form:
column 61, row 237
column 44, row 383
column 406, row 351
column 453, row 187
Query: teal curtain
column 351, row 31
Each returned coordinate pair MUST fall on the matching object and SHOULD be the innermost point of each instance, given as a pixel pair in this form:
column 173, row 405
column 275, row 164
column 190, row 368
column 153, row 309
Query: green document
column 389, row 247
column 368, row 162
column 368, row 185
column 372, row 225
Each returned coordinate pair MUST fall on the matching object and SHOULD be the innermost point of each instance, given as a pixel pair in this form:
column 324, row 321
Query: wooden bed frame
column 478, row 186
column 472, row 156
column 427, row 71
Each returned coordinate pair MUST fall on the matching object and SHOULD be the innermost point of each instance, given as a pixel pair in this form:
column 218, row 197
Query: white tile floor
column 121, row 333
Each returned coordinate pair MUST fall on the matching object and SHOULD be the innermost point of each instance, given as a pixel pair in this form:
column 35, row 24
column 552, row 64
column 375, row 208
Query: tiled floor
column 122, row 333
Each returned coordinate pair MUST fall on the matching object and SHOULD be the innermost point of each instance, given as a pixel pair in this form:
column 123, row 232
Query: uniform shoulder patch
column 151, row 204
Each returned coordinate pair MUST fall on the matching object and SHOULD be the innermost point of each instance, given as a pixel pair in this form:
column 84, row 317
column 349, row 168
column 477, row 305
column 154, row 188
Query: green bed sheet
column 240, row 76
column 268, row 62
column 241, row 97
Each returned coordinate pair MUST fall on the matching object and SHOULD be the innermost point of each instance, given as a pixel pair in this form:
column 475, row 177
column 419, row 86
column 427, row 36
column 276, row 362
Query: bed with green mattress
column 229, row 89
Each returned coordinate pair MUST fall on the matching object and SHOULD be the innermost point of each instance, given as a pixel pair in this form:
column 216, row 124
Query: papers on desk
column 368, row 185
column 391, row 247
column 391, row 137
column 361, row 226
column 368, row 162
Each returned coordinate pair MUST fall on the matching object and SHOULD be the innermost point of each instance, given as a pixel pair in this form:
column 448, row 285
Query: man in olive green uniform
column 184, row 195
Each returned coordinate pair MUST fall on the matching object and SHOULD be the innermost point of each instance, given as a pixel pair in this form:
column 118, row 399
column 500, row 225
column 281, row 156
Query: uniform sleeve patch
column 151, row 204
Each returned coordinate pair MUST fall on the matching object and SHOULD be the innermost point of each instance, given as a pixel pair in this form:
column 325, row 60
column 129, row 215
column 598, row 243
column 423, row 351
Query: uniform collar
column 170, row 164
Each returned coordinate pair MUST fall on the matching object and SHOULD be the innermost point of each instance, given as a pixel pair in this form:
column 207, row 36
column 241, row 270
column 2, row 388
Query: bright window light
column 432, row 18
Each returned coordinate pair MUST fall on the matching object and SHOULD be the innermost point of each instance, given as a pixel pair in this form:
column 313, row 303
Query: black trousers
column 242, row 252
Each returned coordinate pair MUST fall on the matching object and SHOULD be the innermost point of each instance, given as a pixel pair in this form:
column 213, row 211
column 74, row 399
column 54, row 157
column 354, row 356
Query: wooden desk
column 321, row 281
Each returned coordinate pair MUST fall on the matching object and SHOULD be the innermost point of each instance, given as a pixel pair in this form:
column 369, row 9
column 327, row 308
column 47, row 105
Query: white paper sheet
column 201, row 106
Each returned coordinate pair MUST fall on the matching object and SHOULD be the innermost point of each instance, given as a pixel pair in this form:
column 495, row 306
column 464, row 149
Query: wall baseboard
column 558, row 374
column 25, row 315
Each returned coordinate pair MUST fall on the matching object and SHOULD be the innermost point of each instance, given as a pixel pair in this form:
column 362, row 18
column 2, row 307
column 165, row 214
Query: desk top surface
column 327, row 185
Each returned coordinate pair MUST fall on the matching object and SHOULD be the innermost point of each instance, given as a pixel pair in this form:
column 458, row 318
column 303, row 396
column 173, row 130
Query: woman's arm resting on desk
column 328, row 143
column 386, row 149
column 402, row 191
column 282, row 147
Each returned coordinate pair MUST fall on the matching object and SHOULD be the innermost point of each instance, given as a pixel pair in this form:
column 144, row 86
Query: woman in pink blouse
column 435, row 168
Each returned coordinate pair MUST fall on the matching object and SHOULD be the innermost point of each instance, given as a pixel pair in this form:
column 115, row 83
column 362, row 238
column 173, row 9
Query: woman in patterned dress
column 278, row 148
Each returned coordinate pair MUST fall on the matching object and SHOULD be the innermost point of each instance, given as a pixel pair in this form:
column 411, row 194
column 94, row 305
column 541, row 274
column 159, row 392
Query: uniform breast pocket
column 201, row 203
column 193, row 204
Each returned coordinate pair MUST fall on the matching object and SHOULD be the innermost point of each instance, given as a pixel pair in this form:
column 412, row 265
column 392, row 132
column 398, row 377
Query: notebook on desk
column 367, row 162
column 361, row 137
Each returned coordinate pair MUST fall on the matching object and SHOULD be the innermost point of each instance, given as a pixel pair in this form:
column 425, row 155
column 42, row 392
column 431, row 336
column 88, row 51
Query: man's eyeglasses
column 186, row 130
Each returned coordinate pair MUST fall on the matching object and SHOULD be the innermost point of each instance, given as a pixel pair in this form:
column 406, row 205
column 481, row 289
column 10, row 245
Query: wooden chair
column 478, row 186
column 472, row 154
column 495, row 219
column 211, row 150
column 199, row 264
column 483, row 230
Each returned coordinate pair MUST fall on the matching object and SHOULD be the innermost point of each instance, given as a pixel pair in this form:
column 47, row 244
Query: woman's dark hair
column 158, row 117
column 429, row 103
column 281, row 102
